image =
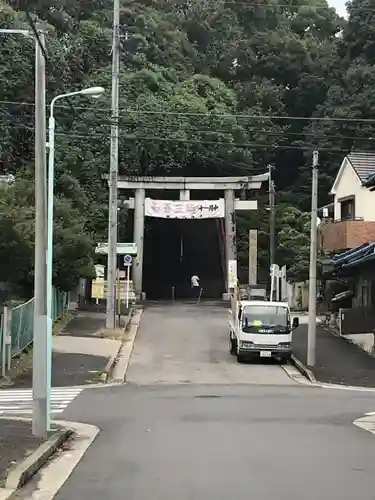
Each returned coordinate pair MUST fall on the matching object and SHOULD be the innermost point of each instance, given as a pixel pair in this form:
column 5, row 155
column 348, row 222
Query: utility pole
column 113, row 176
column 41, row 351
column 311, row 336
column 271, row 192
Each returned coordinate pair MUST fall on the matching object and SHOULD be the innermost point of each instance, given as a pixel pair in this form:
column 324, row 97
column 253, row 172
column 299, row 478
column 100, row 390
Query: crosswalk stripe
column 13, row 401
column 61, row 397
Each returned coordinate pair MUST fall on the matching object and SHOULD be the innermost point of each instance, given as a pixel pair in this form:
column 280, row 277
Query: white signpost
column 278, row 282
column 128, row 260
column 275, row 274
column 232, row 274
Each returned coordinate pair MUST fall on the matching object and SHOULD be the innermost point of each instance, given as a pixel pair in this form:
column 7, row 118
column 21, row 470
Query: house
column 353, row 221
column 354, row 272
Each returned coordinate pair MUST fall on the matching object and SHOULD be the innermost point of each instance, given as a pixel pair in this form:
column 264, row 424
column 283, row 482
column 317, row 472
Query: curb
column 104, row 376
column 302, row 368
column 55, row 472
column 108, row 367
column 120, row 368
column 23, row 472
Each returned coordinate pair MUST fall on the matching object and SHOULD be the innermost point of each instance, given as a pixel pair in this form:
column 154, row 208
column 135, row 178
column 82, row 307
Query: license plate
column 265, row 354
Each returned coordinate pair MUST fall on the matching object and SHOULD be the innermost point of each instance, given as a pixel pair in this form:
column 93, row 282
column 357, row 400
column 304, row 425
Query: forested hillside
column 207, row 87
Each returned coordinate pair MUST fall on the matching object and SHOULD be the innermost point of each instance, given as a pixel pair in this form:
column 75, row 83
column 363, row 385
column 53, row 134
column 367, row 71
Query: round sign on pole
column 128, row 260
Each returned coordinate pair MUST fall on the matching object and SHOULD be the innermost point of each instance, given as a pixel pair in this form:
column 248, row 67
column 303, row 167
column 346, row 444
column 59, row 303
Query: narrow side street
column 184, row 344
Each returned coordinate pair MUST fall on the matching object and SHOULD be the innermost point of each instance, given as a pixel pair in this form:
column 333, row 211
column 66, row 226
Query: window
column 255, row 316
column 347, row 209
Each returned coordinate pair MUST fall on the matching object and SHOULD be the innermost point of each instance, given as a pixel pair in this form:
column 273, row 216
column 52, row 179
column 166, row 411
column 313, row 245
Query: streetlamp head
column 93, row 91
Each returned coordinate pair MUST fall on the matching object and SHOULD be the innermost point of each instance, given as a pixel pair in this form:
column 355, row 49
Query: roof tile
column 363, row 164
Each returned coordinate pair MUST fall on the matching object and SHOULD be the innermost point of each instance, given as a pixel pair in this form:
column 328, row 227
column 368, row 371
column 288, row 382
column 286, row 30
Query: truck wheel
column 233, row 347
column 239, row 358
column 284, row 359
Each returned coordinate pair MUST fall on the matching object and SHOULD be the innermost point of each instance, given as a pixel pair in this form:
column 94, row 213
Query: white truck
column 261, row 329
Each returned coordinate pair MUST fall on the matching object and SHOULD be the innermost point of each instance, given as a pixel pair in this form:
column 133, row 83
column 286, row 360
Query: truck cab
column 261, row 329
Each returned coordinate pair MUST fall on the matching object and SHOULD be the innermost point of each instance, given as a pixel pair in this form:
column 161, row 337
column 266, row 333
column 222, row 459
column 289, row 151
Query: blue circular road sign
column 128, row 259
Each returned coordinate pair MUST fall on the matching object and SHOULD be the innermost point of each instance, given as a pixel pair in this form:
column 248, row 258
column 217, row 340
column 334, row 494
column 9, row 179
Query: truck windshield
column 265, row 317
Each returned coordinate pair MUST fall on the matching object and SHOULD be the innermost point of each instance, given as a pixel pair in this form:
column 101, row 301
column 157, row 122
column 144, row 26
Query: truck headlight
column 246, row 343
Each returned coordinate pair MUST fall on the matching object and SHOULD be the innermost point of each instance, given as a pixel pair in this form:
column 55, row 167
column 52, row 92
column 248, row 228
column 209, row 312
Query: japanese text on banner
column 192, row 209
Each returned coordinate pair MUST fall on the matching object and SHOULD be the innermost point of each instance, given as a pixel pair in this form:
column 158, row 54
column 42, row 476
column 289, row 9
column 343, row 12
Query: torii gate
column 186, row 208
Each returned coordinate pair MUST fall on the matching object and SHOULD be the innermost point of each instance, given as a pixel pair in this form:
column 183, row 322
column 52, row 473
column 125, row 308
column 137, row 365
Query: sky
column 339, row 6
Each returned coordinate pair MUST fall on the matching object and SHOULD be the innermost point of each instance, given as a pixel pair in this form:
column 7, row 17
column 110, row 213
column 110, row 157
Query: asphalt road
column 233, row 431
column 190, row 344
column 210, row 442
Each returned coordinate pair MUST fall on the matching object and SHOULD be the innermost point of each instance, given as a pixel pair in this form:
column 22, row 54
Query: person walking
column 195, row 286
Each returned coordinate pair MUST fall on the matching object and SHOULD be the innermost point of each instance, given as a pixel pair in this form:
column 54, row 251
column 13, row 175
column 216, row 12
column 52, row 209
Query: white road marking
column 367, row 422
column 20, row 401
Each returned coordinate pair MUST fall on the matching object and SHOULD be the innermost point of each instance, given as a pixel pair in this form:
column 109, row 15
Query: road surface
column 190, row 344
column 192, row 424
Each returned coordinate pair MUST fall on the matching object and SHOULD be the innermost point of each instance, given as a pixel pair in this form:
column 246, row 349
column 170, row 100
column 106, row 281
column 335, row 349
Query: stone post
column 139, row 229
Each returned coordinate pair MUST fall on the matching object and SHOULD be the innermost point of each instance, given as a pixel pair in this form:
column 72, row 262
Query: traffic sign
column 128, row 259
column 122, row 248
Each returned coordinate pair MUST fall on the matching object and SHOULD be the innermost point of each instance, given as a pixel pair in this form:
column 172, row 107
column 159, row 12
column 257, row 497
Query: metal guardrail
column 20, row 328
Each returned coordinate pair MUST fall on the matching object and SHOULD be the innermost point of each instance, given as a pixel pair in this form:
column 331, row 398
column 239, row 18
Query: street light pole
column 40, row 422
column 42, row 361
column 42, row 327
column 311, row 335
column 41, row 377
column 92, row 92
column 113, row 176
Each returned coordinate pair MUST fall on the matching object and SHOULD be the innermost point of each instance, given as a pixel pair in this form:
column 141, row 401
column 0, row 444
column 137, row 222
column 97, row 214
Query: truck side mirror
column 295, row 323
column 239, row 313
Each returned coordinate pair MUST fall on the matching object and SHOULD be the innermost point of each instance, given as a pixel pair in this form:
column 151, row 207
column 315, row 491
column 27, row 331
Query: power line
column 306, row 147
column 280, row 134
column 213, row 115
column 260, row 4
column 36, row 34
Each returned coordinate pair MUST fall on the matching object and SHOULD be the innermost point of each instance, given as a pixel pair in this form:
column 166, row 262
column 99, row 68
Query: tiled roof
column 363, row 164
column 355, row 256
